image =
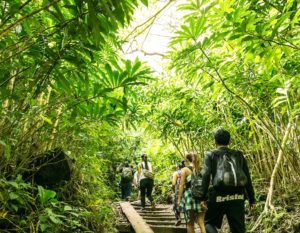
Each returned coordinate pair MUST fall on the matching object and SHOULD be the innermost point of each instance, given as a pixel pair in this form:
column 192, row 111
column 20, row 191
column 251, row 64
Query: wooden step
column 157, row 213
column 156, row 209
column 168, row 229
column 153, row 217
column 163, row 222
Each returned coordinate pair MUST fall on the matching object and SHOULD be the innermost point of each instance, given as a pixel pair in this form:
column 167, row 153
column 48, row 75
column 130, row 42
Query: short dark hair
column 180, row 165
column 222, row 137
column 144, row 157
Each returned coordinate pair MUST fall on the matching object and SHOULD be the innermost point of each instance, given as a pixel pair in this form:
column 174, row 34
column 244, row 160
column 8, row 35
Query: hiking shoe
column 178, row 222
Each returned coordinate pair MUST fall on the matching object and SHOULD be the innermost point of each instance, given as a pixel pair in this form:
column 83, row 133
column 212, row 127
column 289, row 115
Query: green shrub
column 27, row 208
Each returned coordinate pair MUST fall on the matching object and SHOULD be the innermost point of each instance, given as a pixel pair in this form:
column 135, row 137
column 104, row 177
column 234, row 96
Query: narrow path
column 158, row 220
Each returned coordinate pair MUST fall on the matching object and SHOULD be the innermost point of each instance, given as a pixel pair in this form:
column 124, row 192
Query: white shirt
column 143, row 167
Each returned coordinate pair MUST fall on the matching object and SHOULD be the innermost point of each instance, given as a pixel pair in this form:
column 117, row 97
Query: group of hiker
column 143, row 179
column 205, row 193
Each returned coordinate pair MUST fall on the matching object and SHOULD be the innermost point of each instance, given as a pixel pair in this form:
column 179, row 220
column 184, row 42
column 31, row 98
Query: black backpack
column 196, row 185
column 230, row 171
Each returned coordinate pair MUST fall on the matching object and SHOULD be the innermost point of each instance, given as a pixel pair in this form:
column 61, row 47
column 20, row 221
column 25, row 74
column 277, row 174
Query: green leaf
column 14, row 184
column 235, row 36
column 44, row 227
column 15, row 207
column 135, row 67
column 45, row 195
column 13, row 196
column 2, row 143
column 145, row 2
column 67, row 208
column 54, row 219
column 7, row 152
column 46, row 119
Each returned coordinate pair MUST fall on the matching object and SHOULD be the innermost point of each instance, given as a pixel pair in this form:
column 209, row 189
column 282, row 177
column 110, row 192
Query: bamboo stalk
column 59, row 111
column 269, row 202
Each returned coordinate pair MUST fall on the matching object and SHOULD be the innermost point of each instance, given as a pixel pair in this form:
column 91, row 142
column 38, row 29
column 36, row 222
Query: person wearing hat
column 146, row 180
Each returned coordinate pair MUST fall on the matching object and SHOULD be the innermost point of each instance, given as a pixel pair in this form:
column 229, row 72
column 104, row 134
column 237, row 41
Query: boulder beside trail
column 49, row 169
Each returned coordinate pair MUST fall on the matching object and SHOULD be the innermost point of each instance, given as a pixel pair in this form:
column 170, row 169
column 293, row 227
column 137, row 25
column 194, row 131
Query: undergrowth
column 28, row 208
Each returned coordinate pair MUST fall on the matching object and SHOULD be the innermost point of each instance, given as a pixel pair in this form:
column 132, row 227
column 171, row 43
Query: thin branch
column 10, row 16
column 63, row 25
column 13, row 25
column 11, row 77
column 167, row 36
column 59, row 27
column 148, row 32
column 152, row 53
column 291, row 45
column 147, row 53
column 149, row 19
column 141, row 33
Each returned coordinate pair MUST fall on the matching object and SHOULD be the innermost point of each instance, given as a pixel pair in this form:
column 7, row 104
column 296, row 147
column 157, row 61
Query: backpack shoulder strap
column 212, row 154
column 240, row 156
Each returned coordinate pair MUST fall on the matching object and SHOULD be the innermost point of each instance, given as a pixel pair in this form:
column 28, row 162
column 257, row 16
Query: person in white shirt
column 146, row 181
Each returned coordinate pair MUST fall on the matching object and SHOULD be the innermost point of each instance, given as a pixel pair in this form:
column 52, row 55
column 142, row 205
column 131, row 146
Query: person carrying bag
column 146, row 181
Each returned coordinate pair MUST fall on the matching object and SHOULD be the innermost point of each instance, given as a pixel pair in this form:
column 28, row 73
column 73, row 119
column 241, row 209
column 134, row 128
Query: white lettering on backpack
column 230, row 197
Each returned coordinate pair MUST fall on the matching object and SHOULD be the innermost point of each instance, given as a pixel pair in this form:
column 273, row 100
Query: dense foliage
column 64, row 83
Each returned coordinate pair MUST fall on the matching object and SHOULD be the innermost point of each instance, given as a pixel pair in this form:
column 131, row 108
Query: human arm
column 150, row 168
column 139, row 172
column 249, row 186
column 174, row 180
column 206, row 175
column 182, row 184
column 135, row 182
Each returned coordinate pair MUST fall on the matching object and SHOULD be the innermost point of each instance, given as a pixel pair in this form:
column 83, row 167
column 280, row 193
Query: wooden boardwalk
column 158, row 220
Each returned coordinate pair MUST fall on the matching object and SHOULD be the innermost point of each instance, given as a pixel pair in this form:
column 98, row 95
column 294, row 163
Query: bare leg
column 191, row 224
column 200, row 219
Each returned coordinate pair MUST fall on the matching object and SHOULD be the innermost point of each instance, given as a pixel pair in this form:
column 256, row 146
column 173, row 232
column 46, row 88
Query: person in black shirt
column 227, row 194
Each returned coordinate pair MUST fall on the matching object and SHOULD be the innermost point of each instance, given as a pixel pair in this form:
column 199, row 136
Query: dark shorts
column 230, row 205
